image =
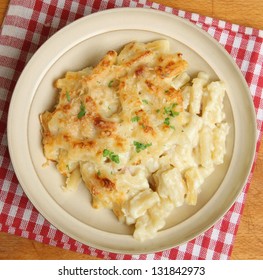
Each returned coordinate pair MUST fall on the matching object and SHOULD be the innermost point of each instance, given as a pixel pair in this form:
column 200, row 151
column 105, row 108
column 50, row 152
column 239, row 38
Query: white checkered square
column 195, row 17
column 221, row 24
column 209, row 254
column 15, row 10
column 235, row 27
column 155, row 6
column 9, row 52
column 250, row 45
column 260, row 114
column 3, row 197
column 215, row 234
column 5, row 187
column 40, row 220
column 228, row 238
column 196, row 250
column 26, row 215
column 42, row 19
column 17, row 32
column 234, row 218
column 223, row 38
column 39, row 238
column 119, row 2
column 6, row 72
column 208, row 20
column 244, row 66
column 257, row 69
column 237, row 42
column 25, row 234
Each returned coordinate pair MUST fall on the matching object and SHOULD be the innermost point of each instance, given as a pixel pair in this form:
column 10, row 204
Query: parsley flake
column 110, row 84
column 169, row 110
column 140, row 146
column 82, row 111
column 135, row 119
column 167, row 121
column 68, row 96
column 113, row 83
column 110, row 155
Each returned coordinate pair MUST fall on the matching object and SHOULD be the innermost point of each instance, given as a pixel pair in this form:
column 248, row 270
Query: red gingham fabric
column 27, row 25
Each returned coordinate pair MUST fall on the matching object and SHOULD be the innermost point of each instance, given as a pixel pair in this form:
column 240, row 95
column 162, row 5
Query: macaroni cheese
column 139, row 131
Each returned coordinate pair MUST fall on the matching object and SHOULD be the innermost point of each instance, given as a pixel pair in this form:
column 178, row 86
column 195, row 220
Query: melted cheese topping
column 122, row 125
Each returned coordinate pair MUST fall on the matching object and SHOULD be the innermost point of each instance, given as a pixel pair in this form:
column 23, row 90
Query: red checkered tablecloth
column 26, row 26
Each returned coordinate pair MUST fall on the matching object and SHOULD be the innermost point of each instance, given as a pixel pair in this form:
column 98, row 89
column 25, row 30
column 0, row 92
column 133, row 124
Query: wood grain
column 249, row 240
column 243, row 12
column 3, row 10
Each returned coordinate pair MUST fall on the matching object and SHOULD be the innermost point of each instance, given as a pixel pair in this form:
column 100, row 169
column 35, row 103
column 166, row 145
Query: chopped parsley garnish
column 110, row 84
column 82, row 111
column 113, row 83
column 135, row 119
column 170, row 110
column 140, row 146
column 110, row 155
column 68, row 96
column 167, row 121
column 145, row 101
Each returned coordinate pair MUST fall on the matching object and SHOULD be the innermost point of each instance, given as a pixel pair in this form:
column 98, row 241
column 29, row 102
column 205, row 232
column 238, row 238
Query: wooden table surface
column 249, row 240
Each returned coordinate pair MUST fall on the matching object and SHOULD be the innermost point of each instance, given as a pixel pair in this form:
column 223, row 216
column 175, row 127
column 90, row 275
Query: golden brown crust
column 103, row 111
